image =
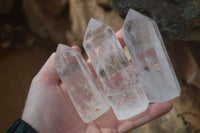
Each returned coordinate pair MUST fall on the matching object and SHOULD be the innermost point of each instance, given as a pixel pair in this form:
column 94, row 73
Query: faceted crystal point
column 83, row 89
column 114, row 71
column 149, row 57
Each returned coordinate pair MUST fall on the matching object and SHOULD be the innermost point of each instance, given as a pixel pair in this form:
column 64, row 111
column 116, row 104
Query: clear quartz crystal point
column 114, row 71
column 149, row 57
column 83, row 89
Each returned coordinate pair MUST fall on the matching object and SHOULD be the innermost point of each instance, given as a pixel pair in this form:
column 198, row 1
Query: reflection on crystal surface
column 84, row 91
column 149, row 57
column 114, row 70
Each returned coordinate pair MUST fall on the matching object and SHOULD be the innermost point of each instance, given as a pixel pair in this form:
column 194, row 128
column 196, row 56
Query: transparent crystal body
column 84, row 91
column 114, row 71
column 149, row 57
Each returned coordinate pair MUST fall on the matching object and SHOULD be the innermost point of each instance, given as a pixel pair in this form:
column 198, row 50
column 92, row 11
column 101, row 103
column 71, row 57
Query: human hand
column 49, row 109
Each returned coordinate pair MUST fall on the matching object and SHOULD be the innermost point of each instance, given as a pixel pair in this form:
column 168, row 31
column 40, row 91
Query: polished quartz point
column 114, row 71
column 149, row 57
column 83, row 89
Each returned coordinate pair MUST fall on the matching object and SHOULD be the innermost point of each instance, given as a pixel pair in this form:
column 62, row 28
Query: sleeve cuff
column 21, row 126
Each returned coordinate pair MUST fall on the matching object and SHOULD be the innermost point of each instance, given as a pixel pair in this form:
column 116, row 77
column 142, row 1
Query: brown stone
column 54, row 7
column 77, row 17
column 193, row 119
column 195, row 49
column 196, row 80
column 187, row 105
column 65, row 21
column 105, row 4
column 169, row 123
column 82, row 11
column 182, row 59
column 45, row 25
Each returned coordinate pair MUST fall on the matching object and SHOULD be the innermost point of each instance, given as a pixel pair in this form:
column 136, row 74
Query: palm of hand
column 49, row 109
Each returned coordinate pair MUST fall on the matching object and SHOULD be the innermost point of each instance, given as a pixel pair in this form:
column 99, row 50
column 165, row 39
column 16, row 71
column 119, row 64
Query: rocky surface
column 177, row 19
column 187, row 69
column 65, row 21
column 44, row 23
column 169, row 123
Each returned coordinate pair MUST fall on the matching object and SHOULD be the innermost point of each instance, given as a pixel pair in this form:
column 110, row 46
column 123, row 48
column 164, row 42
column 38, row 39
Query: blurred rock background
column 31, row 29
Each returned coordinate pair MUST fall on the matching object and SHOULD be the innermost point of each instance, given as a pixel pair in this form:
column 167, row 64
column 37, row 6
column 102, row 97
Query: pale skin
column 48, row 110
